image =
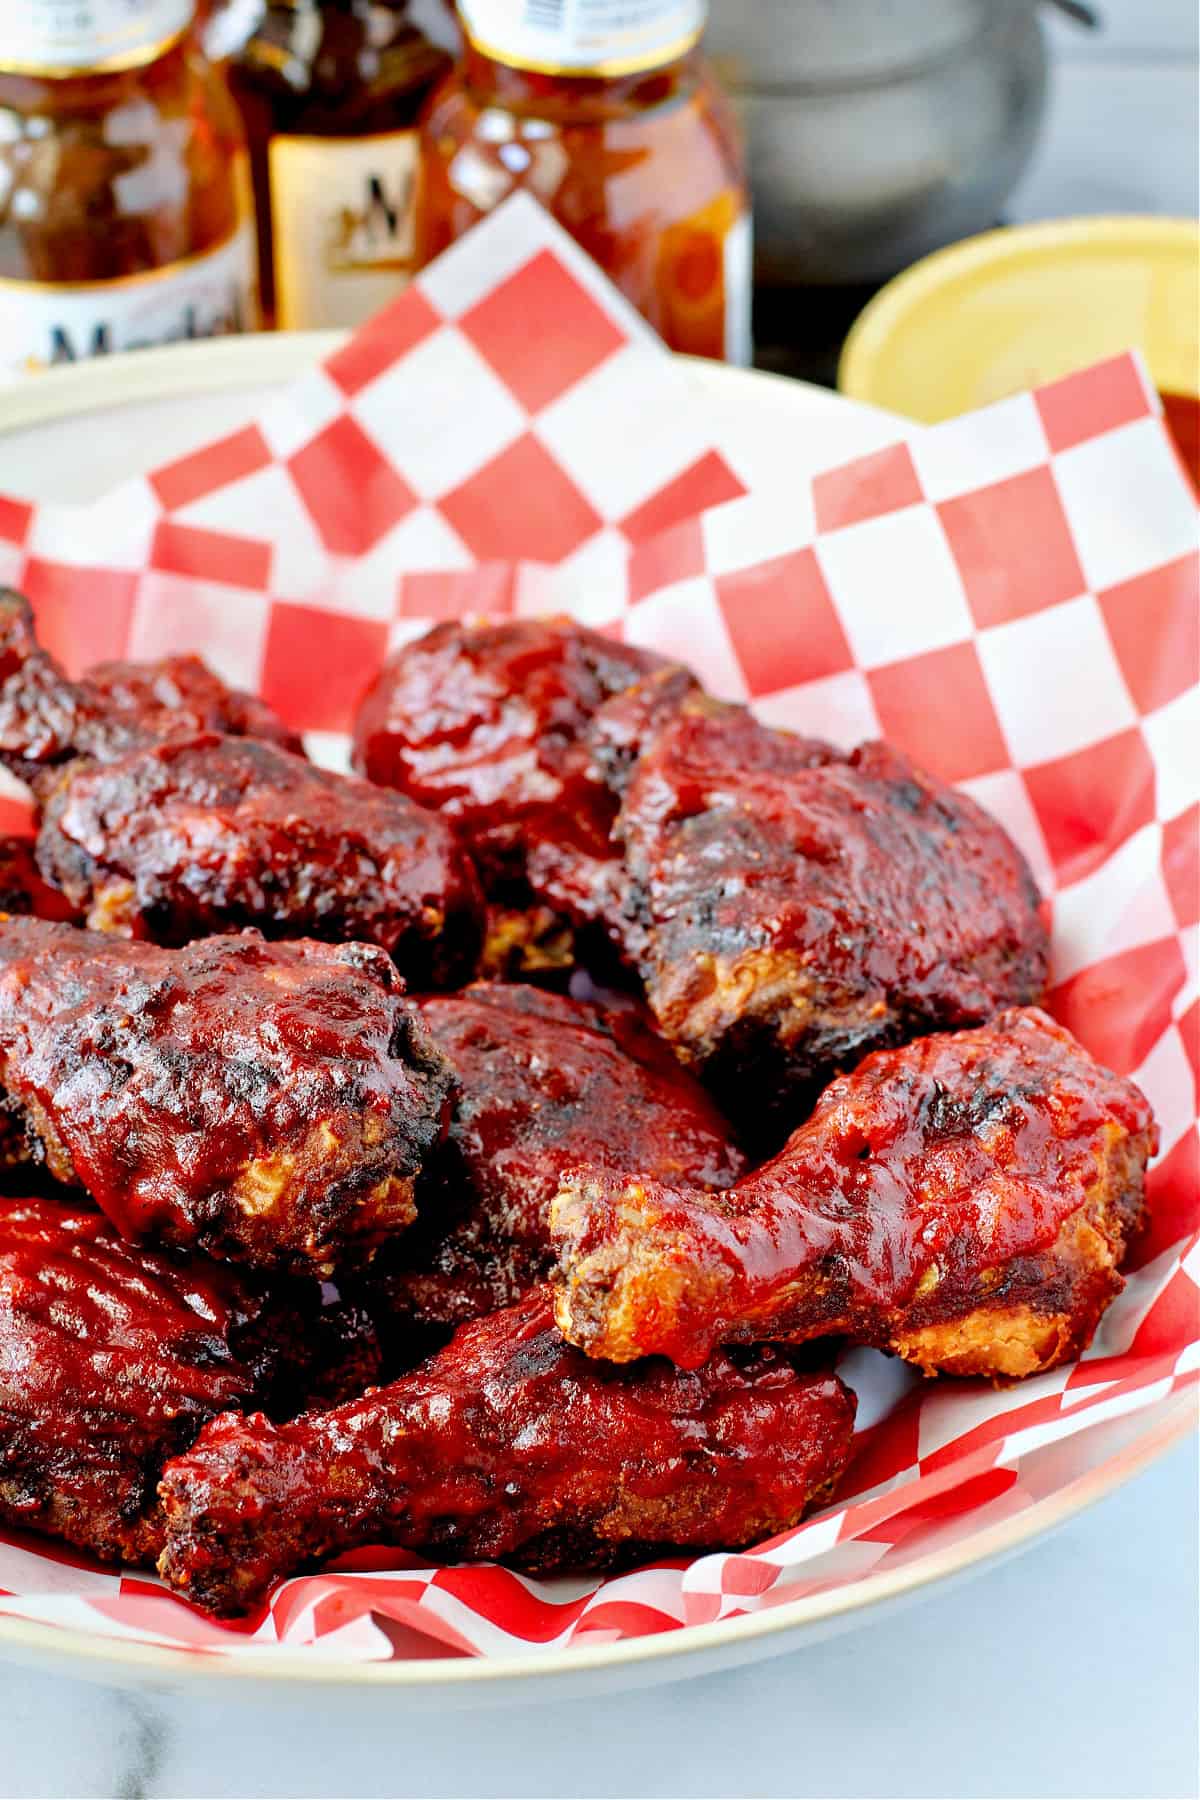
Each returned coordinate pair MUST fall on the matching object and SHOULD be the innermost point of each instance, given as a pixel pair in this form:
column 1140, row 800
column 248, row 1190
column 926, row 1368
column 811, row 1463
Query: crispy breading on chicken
column 508, row 1445
column 965, row 1201
column 791, row 907
column 273, row 1103
column 544, row 1082
column 112, row 1356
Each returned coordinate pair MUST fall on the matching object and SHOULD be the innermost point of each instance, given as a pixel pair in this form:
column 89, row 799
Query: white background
column 1072, row 1671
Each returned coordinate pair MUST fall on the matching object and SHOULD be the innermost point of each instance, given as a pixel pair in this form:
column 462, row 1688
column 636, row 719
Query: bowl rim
column 872, row 334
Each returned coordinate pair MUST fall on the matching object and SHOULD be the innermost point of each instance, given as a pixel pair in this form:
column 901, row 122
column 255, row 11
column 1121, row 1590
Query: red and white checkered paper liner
column 1011, row 596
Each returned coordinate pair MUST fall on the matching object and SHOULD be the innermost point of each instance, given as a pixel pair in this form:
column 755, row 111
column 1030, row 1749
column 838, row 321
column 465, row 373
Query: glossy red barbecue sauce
column 110, row 1331
column 163, row 1073
column 956, row 1153
column 508, row 1443
column 544, row 1077
column 546, row 1081
column 962, row 1151
column 480, row 723
column 216, row 832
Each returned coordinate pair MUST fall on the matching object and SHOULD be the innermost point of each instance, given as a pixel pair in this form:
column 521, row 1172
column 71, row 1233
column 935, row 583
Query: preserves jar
column 330, row 92
column 605, row 111
column 123, row 221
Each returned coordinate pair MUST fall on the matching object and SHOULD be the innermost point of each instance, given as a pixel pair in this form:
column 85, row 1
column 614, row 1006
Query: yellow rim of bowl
column 872, row 333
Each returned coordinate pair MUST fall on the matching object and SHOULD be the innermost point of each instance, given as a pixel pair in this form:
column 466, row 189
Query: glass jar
column 330, row 92
column 608, row 115
column 123, row 221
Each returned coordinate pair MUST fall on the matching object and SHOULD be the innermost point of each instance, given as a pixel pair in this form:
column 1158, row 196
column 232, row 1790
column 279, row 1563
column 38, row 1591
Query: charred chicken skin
column 47, row 719
column 210, row 834
column 544, row 1082
column 486, row 724
column 965, row 1202
column 509, row 1445
column 273, row 1103
column 790, row 907
column 112, row 1356
column 167, row 815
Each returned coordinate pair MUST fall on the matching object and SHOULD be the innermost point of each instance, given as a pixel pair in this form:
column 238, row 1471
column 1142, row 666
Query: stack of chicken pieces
column 488, row 1152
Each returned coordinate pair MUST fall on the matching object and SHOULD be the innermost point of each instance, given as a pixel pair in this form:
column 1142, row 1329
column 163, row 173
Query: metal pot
column 878, row 129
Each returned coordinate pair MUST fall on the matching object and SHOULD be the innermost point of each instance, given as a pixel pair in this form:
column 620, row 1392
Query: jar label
column 342, row 224
column 49, row 37
column 47, row 325
column 597, row 37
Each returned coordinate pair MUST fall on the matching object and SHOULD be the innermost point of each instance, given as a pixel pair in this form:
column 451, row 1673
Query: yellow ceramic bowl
column 1005, row 311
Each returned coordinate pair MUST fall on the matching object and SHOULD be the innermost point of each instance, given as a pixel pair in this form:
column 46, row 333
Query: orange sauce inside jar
column 121, row 215
column 644, row 169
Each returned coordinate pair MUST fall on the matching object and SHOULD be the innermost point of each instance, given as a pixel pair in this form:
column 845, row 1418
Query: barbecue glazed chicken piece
column 158, row 831
column 272, row 1103
column 509, row 1445
column 112, row 1357
column 544, row 1082
column 485, row 723
column 965, row 1202
column 790, row 907
column 178, row 696
column 210, row 834
column 46, row 719
column 23, row 891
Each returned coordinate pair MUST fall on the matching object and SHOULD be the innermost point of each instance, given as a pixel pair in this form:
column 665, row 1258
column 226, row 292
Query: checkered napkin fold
column 1012, row 597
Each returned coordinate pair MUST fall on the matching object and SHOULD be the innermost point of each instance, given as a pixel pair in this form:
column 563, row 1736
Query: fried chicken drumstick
column 159, row 831
column 964, row 1202
column 790, row 907
column 545, row 1082
column 112, row 1357
column 273, row 1103
column 509, row 1445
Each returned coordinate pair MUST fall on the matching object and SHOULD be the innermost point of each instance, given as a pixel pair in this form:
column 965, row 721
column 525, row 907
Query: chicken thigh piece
column 965, row 1201
column 112, row 1356
column 791, row 907
column 509, row 1445
column 272, row 1103
column 544, row 1082
column 167, row 814
column 207, row 834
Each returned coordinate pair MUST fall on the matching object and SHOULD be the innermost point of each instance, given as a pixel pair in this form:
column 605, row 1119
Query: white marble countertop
column 1072, row 1671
